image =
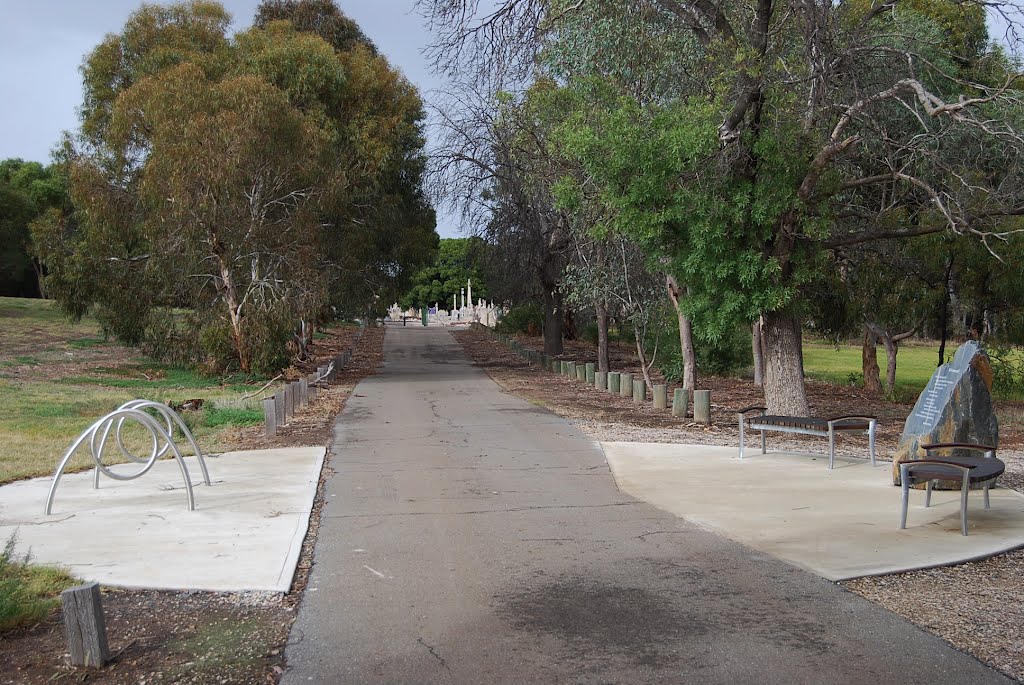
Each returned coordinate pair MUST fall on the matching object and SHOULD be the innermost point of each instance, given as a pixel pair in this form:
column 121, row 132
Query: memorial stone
column 955, row 406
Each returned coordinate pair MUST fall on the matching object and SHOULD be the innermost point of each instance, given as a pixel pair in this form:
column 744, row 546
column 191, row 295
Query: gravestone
column 956, row 406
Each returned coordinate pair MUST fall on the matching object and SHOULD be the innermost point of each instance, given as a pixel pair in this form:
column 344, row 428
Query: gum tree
column 804, row 128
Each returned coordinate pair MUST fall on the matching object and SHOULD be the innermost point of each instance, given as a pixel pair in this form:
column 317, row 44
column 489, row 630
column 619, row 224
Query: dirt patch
column 200, row 637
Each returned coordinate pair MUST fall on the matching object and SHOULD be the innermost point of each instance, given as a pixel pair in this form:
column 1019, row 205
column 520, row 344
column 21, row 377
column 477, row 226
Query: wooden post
column 303, row 392
column 289, row 400
column 270, row 417
column 590, row 370
column 626, row 385
column 601, row 380
column 279, row 406
column 680, row 398
column 702, row 406
column 581, row 372
column 613, row 382
column 84, row 625
column 639, row 391
column 660, row 396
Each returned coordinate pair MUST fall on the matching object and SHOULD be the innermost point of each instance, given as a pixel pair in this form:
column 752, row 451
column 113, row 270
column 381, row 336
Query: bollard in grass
column 680, row 398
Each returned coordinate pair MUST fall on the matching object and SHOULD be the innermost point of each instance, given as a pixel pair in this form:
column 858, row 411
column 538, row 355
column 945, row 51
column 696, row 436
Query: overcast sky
column 43, row 43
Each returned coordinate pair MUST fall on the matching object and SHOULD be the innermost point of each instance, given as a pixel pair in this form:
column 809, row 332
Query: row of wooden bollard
column 279, row 408
column 618, row 383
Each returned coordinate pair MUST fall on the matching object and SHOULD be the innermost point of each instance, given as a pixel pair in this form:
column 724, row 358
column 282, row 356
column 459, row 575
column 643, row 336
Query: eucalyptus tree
column 220, row 175
column 802, row 128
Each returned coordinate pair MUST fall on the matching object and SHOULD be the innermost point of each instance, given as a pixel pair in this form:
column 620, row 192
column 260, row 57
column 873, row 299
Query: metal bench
column 978, row 470
column 807, row 426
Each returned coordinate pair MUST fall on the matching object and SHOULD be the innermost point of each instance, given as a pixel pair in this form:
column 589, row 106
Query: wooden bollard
column 613, row 382
column 269, row 417
column 570, row 369
column 601, row 380
column 303, row 392
column 626, row 388
column 289, row 395
column 639, row 391
column 702, row 406
column 279, row 408
column 84, row 625
column 660, row 396
column 590, row 370
column 680, row 398
column 581, row 372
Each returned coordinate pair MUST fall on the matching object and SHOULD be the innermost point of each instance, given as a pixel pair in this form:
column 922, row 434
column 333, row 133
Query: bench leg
column 928, row 494
column 987, row 485
column 831, row 446
column 904, row 477
column 871, row 439
column 764, row 443
column 741, row 436
column 964, row 489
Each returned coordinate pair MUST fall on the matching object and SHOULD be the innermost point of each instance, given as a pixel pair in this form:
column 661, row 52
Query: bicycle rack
column 161, row 432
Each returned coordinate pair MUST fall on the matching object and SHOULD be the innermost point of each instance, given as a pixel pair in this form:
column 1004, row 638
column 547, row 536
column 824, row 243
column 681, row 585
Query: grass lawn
column 915, row 364
column 56, row 378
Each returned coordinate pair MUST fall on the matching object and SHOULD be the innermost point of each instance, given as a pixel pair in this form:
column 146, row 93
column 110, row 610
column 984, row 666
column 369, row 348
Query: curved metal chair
column 967, row 470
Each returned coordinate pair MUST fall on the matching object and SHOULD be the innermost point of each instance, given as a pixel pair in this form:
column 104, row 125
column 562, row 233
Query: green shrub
column 1007, row 370
column 27, row 593
column 524, row 318
column 729, row 354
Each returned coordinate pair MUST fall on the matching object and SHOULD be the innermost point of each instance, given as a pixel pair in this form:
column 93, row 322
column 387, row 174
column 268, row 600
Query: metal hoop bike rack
column 161, row 431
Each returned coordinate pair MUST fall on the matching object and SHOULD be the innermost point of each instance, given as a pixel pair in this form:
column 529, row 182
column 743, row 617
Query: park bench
column 967, row 470
column 807, row 426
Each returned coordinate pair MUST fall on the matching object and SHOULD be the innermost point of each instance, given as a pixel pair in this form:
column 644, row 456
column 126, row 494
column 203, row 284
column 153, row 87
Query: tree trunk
column 685, row 336
column 37, row 266
column 869, row 363
column 553, row 317
column 601, row 312
column 892, row 348
column 758, row 350
column 784, row 390
column 235, row 316
column 945, row 310
column 643, row 358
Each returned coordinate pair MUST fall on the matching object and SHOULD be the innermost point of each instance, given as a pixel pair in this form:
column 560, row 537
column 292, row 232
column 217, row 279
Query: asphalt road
column 471, row 537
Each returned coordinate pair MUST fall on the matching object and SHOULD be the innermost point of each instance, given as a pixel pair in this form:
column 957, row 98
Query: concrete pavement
column 840, row 524
column 471, row 537
column 245, row 533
